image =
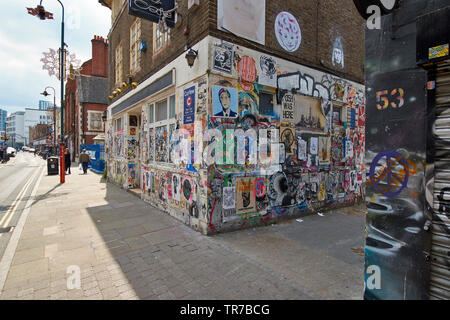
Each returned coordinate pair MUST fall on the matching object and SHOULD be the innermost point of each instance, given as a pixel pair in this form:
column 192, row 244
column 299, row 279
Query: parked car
column 11, row 151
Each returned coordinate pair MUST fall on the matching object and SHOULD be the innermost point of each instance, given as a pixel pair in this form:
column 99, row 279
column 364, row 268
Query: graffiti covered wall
column 318, row 121
column 285, row 140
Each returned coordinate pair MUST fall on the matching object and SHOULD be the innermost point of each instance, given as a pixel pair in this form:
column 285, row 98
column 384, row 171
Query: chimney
column 99, row 56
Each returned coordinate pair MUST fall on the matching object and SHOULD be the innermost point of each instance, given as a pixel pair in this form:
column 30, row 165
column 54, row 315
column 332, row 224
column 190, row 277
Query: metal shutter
column 440, row 251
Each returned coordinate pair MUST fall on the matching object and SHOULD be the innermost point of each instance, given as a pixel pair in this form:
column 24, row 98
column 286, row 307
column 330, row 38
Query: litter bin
column 52, row 166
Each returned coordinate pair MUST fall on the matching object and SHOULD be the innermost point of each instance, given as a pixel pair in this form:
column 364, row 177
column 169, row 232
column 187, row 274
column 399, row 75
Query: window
column 161, row 110
column 160, row 39
column 118, row 125
column 172, row 107
column 161, row 127
column 119, row 64
column 151, row 109
column 135, row 53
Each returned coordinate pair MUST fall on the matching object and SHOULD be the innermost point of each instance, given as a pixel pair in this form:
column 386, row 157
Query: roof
column 93, row 89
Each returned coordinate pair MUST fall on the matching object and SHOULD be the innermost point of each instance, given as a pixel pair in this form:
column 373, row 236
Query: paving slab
column 126, row 249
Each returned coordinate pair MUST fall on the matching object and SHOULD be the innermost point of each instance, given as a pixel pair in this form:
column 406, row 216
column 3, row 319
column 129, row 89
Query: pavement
column 87, row 239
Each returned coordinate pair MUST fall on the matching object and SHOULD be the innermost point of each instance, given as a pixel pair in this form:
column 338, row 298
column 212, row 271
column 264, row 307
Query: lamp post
column 45, row 94
column 42, row 14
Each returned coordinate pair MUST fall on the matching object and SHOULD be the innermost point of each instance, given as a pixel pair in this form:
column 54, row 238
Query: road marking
column 14, row 204
column 18, row 202
column 8, row 256
column 12, row 209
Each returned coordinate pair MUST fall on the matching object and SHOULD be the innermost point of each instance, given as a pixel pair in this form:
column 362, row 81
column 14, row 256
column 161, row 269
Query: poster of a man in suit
column 225, row 102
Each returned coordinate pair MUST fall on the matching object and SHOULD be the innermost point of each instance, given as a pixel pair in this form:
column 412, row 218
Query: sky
column 24, row 38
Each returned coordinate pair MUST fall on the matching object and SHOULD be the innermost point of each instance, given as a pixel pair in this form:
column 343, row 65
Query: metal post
column 62, row 176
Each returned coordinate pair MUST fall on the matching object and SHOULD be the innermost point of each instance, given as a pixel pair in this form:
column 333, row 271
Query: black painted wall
column 399, row 146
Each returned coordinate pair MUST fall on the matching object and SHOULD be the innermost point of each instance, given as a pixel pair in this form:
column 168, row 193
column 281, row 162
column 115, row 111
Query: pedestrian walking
column 67, row 160
column 85, row 159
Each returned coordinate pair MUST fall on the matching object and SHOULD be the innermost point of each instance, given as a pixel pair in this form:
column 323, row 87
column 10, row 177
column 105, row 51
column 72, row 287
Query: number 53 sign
column 396, row 99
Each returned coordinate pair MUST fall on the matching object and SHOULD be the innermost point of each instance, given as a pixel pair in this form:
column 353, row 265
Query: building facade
column 40, row 136
column 45, row 105
column 15, row 129
column 3, row 116
column 86, row 99
column 227, row 127
column 34, row 117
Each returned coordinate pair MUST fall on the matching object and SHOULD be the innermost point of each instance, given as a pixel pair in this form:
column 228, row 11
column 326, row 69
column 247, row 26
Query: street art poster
column 302, row 149
column 247, row 72
column 244, row 18
column 189, row 105
column 187, row 185
column 309, row 116
column 313, row 145
column 176, row 187
column 161, row 153
column 348, row 149
column 229, row 198
column 131, row 173
column 245, row 195
column 353, row 180
column 248, row 103
column 287, row 31
column 267, row 74
column 225, row 102
column 95, row 122
column 223, row 57
column 321, row 192
column 202, row 95
column 133, row 121
column 260, row 188
column 338, row 53
column 287, row 136
column 282, row 152
column 288, row 108
column 324, row 150
column 362, row 116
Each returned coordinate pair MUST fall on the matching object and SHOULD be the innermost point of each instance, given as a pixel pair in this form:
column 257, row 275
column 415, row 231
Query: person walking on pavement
column 85, row 160
column 67, row 161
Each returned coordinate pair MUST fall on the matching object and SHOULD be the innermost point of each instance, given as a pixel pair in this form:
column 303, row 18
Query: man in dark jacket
column 85, row 160
column 67, row 160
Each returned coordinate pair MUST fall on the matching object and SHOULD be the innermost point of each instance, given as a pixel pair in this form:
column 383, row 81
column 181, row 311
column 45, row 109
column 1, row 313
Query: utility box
column 52, row 166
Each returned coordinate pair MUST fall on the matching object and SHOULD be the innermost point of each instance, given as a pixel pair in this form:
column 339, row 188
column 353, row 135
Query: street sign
column 153, row 10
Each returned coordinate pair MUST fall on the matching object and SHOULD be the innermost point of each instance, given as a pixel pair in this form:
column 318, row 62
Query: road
column 17, row 180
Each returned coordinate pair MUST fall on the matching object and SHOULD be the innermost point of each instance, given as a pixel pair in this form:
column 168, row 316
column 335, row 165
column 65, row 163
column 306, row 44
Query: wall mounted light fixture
column 191, row 56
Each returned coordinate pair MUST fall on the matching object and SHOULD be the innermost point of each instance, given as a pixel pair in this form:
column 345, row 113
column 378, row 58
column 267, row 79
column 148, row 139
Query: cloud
column 25, row 38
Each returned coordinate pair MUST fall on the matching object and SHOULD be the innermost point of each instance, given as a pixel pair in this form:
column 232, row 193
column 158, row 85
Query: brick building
column 294, row 68
column 86, row 99
column 40, row 136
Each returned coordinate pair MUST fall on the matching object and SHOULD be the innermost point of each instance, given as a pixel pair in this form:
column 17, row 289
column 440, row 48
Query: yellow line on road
column 10, row 213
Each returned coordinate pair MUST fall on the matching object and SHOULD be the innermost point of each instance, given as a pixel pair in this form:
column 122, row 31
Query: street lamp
column 42, row 14
column 45, row 94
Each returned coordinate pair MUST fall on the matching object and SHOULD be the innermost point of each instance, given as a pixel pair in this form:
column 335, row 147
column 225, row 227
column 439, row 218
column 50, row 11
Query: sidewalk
column 126, row 249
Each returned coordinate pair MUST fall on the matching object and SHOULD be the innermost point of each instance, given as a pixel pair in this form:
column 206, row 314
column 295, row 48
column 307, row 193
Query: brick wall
column 150, row 61
column 99, row 57
column 321, row 22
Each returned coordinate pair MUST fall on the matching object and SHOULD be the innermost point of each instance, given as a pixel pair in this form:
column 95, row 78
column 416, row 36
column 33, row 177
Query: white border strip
column 8, row 256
